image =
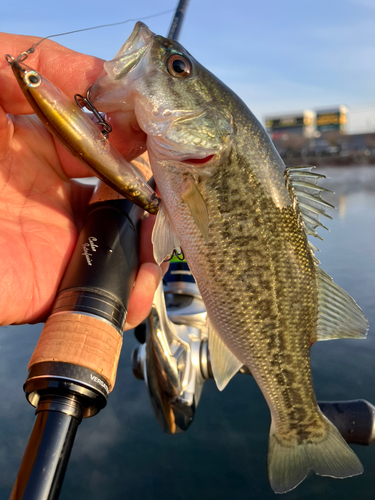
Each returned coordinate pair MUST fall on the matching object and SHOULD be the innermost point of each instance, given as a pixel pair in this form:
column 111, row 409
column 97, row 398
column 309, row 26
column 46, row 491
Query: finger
column 148, row 279
column 6, row 133
column 145, row 244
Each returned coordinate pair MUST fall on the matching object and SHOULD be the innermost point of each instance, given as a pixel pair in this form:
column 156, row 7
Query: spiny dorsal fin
column 224, row 363
column 313, row 250
column 308, row 194
column 338, row 314
column 164, row 238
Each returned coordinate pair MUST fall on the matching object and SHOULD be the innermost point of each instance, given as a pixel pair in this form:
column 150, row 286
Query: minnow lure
column 74, row 129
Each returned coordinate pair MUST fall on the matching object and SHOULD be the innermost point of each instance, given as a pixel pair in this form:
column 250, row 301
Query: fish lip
column 140, row 30
column 199, row 162
column 163, row 154
column 132, row 51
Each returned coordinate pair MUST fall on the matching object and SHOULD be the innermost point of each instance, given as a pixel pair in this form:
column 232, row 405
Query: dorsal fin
column 308, row 194
column 338, row 314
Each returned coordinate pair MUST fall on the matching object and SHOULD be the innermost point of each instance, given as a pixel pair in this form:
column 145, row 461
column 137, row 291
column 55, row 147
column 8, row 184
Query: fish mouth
column 198, row 161
column 164, row 149
column 141, row 35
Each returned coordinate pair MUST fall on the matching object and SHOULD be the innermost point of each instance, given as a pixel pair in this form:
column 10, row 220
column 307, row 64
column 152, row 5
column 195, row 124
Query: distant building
column 307, row 123
column 280, row 126
column 332, row 120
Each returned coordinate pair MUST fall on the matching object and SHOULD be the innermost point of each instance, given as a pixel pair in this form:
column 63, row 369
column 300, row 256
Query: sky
column 279, row 56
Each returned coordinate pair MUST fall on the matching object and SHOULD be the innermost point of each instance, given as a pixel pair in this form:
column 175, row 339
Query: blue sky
column 277, row 55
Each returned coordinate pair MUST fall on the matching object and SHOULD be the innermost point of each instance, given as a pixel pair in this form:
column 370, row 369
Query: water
column 122, row 454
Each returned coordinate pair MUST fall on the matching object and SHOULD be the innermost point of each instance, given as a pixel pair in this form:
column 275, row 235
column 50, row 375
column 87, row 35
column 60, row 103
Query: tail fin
column 289, row 465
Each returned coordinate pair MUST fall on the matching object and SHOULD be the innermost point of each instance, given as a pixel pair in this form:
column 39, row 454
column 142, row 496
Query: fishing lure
column 81, row 137
column 77, row 133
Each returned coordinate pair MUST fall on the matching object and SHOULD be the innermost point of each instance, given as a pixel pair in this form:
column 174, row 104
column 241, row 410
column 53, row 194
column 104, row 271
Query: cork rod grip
column 81, row 340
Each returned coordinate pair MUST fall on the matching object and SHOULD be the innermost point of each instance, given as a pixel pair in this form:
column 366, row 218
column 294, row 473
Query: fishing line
column 24, row 54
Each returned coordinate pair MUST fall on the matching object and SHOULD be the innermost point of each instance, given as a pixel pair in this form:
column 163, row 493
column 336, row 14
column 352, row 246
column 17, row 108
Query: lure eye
column 32, row 79
column 178, row 66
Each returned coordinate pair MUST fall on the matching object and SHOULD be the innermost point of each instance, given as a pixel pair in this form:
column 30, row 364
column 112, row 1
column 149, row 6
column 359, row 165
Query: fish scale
column 242, row 221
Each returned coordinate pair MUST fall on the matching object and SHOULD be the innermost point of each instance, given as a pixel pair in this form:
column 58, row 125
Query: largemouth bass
column 242, row 220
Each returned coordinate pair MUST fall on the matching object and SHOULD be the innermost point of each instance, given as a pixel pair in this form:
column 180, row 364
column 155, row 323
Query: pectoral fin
column 193, row 198
column 224, row 363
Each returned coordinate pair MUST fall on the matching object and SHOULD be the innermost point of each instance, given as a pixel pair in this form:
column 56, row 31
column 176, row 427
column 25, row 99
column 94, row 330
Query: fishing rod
column 178, row 18
column 73, row 367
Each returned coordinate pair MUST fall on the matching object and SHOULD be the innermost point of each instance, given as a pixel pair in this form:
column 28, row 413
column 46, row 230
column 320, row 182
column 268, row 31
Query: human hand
column 40, row 206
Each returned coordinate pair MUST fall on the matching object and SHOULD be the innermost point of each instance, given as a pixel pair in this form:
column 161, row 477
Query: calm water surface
column 122, row 454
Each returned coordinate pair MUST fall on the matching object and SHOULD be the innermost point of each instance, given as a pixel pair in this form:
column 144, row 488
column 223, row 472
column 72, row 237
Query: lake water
column 122, row 454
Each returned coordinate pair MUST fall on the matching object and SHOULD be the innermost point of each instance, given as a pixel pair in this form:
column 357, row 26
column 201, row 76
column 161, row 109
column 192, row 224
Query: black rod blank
column 47, row 454
column 174, row 30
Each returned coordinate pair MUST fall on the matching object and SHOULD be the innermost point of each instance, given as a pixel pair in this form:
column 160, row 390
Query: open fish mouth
column 167, row 150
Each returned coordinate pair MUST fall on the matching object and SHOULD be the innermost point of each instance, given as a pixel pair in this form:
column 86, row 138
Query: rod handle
column 81, row 340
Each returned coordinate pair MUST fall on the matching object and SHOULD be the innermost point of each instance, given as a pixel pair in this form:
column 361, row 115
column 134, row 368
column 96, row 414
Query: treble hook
column 106, row 127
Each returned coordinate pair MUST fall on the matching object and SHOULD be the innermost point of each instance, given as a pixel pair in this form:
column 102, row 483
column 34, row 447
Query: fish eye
column 32, row 79
column 178, row 66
